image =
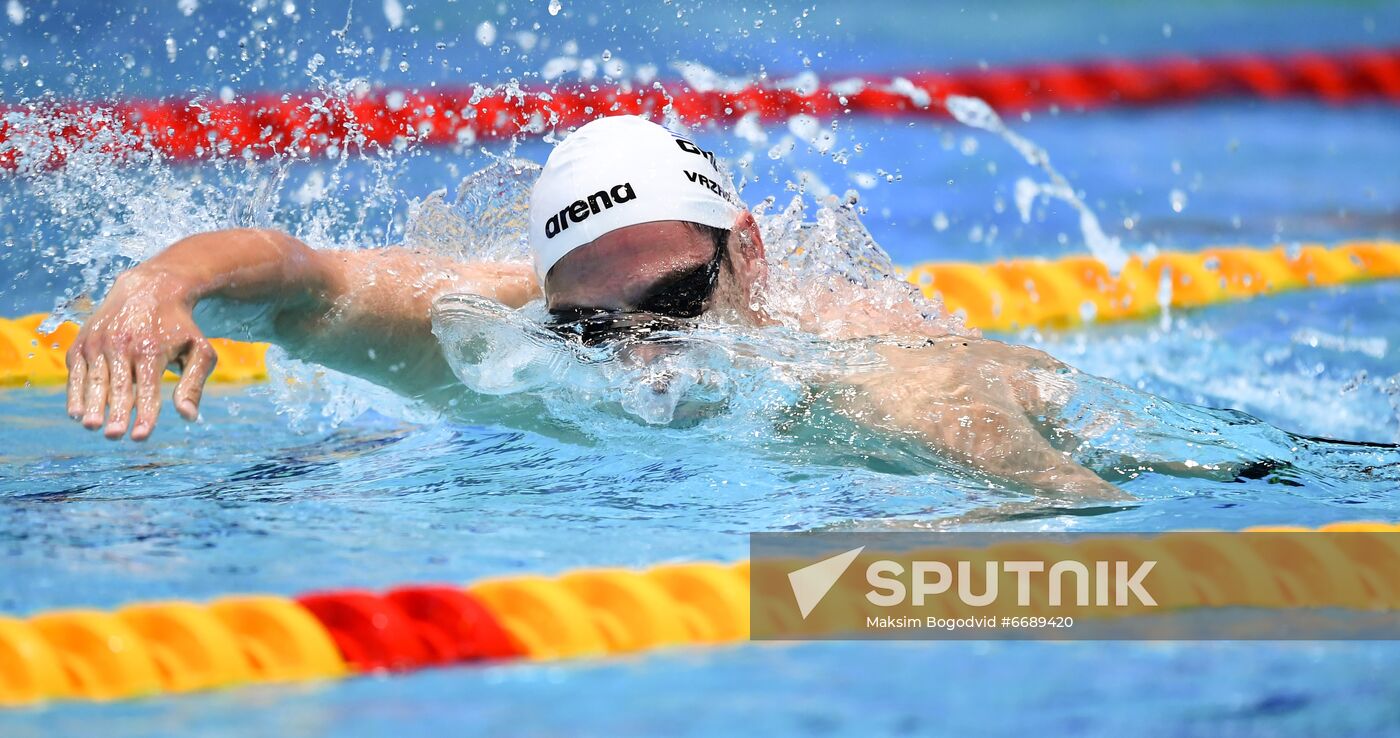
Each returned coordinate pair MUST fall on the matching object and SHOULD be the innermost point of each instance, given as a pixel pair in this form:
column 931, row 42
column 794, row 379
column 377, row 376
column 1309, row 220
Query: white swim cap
column 620, row 171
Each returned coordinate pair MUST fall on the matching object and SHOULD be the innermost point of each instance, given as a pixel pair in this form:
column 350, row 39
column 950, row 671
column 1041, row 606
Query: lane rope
column 309, row 123
column 150, row 648
column 1005, row 296
column 1078, row 289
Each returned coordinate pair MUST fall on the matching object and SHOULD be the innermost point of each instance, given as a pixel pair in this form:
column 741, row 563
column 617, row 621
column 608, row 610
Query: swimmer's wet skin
column 632, row 227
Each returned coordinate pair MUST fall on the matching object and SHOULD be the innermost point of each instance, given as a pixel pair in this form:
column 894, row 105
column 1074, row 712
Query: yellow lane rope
column 1067, row 291
column 1004, row 296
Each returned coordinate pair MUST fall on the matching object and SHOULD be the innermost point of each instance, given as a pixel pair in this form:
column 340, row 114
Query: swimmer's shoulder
column 913, row 352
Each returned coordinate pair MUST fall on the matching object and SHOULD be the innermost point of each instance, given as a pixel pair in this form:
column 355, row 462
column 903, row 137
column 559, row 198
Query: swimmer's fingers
column 119, row 395
column 95, row 391
column 148, row 374
column 199, row 363
column 77, row 381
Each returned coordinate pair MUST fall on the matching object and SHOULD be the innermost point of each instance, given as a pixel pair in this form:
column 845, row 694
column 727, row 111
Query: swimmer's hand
column 363, row 312
column 119, row 357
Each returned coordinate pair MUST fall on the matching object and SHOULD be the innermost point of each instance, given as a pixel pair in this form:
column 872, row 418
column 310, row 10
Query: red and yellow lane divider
column 300, row 124
column 1006, row 295
column 171, row 647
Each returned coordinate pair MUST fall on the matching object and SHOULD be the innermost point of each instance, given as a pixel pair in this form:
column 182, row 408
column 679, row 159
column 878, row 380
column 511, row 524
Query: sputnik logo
column 811, row 583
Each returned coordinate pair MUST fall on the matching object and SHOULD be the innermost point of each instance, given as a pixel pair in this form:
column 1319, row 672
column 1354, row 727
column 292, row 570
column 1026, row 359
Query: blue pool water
column 264, row 495
column 910, row 689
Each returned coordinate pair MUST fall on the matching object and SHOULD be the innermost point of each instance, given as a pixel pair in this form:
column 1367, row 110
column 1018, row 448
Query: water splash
column 118, row 200
column 314, row 399
column 828, row 275
column 713, row 375
column 977, row 113
column 488, row 220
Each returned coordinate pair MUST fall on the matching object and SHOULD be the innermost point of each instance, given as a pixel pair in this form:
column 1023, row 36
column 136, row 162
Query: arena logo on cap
column 579, row 210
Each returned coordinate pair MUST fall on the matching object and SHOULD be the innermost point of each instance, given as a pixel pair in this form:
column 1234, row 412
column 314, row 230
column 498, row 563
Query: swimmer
column 627, row 219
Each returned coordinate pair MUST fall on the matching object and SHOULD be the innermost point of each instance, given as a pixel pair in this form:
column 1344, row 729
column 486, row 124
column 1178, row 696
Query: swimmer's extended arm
column 362, row 312
column 960, row 398
column 1002, row 443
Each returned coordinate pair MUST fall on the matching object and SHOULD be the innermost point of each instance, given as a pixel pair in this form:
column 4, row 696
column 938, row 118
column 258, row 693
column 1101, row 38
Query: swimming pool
column 265, row 495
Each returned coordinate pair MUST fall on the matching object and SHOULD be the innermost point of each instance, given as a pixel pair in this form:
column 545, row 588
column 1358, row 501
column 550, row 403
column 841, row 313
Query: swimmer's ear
column 745, row 241
column 746, row 262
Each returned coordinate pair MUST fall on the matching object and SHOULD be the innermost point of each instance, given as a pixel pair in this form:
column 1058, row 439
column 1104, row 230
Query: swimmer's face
column 668, row 267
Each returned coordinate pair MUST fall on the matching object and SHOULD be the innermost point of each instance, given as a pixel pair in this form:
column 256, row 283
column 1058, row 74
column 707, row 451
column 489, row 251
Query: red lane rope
column 306, row 124
column 410, row 627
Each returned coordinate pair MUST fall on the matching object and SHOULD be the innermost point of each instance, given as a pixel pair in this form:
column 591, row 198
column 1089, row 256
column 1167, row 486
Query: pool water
column 820, row 689
column 272, row 492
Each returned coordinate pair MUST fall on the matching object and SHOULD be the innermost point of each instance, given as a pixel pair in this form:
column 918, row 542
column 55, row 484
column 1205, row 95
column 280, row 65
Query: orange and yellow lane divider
column 1006, row 295
column 171, row 647
column 1023, row 293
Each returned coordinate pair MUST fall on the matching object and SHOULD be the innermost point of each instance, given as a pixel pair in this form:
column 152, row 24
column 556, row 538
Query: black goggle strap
column 594, row 327
column 684, row 298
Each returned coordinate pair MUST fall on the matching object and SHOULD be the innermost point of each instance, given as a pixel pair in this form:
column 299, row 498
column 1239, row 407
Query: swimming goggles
column 598, row 327
column 666, row 307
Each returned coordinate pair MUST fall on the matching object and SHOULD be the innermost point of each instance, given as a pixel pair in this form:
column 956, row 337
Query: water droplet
column 782, row 148
column 555, row 6
column 403, row 66
column 15, row 11
column 1178, row 200
column 486, row 33
column 187, row 6
column 393, row 12
column 170, row 48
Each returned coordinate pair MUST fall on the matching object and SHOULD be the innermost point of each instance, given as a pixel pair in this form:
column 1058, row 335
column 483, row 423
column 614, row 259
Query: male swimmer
column 628, row 222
